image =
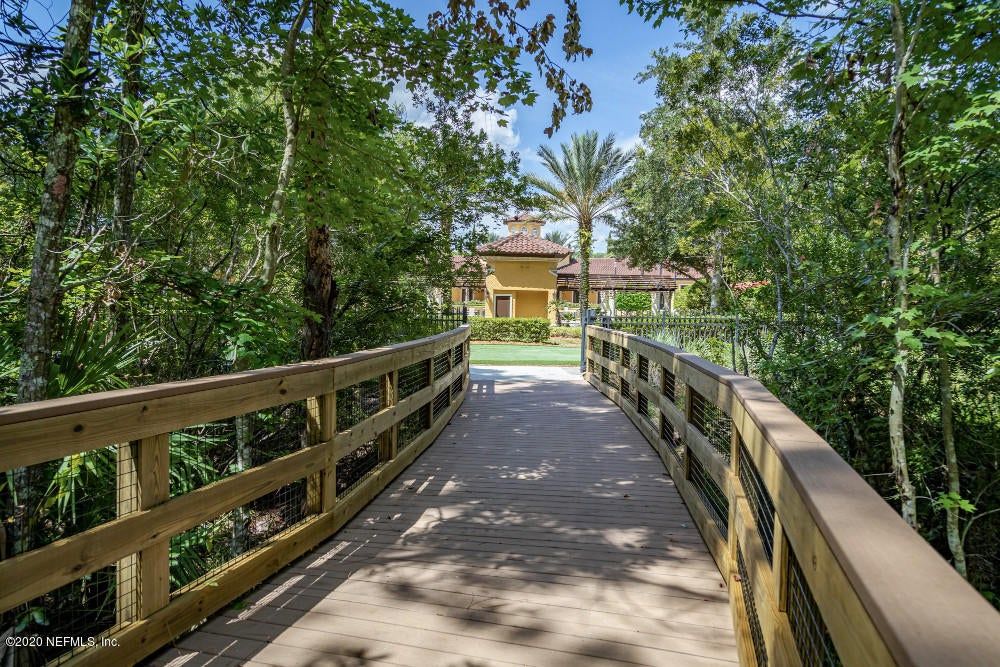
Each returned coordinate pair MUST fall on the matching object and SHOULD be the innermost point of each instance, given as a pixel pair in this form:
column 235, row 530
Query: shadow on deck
column 539, row 529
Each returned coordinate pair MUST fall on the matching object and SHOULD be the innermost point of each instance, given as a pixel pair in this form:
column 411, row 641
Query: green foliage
column 766, row 157
column 510, row 329
column 692, row 299
column 633, row 302
column 565, row 332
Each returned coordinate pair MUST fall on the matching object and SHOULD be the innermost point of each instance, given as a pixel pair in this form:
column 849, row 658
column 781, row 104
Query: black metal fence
column 446, row 319
column 678, row 330
column 734, row 342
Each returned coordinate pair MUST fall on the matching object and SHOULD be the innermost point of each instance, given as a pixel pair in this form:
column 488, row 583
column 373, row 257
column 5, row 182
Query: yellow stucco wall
column 514, row 274
column 567, row 295
column 456, row 294
column 529, row 282
column 531, row 304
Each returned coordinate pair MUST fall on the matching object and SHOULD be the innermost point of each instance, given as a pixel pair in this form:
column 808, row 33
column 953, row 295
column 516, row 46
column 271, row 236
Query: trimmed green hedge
column 510, row 329
column 634, row 302
column 566, row 332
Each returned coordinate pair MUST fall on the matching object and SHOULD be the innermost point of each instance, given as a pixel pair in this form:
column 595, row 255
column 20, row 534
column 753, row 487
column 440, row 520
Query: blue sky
column 622, row 45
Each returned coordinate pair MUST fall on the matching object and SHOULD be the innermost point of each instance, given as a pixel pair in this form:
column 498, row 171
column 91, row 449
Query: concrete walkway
column 540, row 529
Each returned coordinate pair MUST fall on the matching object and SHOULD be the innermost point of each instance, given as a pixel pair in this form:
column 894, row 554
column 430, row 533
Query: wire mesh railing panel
column 456, row 386
column 712, row 422
column 626, row 390
column 413, row 425
column 643, row 368
column 759, row 500
column 58, row 625
column 196, row 553
column 458, row 354
column 655, row 373
column 358, row 402
column 595, row 345
column 59, row 498
column 626, row 355
column 354, row 469
column 646, row 408
column 753, row 621
column 590, row 365
column 812, row 639
column 442, row 364
column 715, row 501
column 441, row 402
column 50, row 501
column 614, row 353
column 206, row 453
column 670, row 436
column 673, row 389
column 413, row 378
column 605, row 349
column 609, row 378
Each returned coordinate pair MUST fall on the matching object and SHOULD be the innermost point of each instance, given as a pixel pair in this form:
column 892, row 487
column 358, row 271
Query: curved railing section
column 350, row 424
column 821, row 570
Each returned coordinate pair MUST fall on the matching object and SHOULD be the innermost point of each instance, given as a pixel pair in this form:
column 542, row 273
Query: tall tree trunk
column 955, row 542
column 44, row 291
column 585, row 235
column 128, row 138
column 276, row 216
column 63, row 146
column 898, row 256
column 272, row 247
column 952, row 523
column 446, row 232
column 715, row 276
column 320, row 290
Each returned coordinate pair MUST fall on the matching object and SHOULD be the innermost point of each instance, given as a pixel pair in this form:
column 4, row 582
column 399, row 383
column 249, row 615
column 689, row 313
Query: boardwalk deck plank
column 538, row 530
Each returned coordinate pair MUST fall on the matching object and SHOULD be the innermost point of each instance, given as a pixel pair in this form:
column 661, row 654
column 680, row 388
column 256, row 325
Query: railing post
column 143, row 579
column 688, row 410
column 388, row 440
column 321, row 426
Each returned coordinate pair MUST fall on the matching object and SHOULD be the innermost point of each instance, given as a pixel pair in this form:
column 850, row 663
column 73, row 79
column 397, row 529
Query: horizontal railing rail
column 821, row 570
column 364, row 418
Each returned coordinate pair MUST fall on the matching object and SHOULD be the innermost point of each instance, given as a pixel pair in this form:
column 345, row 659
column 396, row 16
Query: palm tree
column 560, row 237
column 585, row 188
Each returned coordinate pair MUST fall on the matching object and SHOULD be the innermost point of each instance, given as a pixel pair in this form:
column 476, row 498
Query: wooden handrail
column 813, row 555
column 143, row 418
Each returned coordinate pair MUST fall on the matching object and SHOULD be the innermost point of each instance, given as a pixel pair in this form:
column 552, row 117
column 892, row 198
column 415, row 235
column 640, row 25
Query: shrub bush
column 634, row 302
column 510, row 329
column 566, row 332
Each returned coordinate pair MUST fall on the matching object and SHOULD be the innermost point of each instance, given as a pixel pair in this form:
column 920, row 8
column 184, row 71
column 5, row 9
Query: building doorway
column 502, row 305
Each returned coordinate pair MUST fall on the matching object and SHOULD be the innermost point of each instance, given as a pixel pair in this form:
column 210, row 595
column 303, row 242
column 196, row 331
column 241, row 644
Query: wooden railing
column 821, row 571
column 396, row 421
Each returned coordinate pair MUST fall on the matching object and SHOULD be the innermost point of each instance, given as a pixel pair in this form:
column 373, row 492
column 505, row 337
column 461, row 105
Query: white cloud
column 629, row 143
column 504, row 137
column 413, row 112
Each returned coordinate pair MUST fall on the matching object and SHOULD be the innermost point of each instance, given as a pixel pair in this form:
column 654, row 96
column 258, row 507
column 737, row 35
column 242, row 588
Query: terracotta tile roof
column 523, row 245
column 468, row 263
column 469, row 271
column 613, row 273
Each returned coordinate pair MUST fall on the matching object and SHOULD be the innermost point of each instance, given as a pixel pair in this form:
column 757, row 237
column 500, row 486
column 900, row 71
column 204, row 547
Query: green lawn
column 513, row 354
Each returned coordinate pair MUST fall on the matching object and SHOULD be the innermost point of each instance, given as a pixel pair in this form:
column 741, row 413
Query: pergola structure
column 609, row 275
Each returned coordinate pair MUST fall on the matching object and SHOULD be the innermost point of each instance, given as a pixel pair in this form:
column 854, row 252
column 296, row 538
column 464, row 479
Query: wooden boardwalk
column 540, row 529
